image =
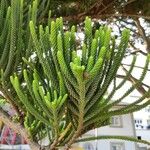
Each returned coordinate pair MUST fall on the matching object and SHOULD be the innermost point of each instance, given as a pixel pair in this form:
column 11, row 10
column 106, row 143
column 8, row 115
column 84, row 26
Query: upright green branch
column 61, row 90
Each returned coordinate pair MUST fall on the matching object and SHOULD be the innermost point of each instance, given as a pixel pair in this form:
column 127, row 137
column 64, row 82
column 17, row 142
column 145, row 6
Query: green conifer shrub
column 59, row 88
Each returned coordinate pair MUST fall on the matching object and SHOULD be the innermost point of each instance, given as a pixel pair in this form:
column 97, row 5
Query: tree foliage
column 57, row 88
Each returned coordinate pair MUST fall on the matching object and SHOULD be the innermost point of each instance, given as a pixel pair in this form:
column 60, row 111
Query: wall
column 142, row 115
column 145, row 135
column 126, row 130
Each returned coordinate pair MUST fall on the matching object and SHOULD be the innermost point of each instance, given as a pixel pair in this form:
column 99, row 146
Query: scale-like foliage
column 84, row 77
column 62, row 90
column 15, row 43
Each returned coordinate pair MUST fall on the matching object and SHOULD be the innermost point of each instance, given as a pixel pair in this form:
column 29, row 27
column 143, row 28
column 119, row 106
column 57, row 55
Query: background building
column 120, row 125
column 142, row 125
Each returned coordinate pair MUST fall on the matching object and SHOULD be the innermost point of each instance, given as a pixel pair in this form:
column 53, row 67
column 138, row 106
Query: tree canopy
column 58, row 85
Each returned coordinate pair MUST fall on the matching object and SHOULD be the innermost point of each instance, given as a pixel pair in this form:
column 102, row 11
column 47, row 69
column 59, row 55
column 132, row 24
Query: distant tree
column 58, row 87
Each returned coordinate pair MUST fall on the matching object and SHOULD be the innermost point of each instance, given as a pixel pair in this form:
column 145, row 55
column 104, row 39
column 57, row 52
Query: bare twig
column 96, row 4
column 131, row 29
column 133, row 80
column 122, row 77
column 103, row 16
column 127, row 22
column 106, row 7
column 143, row 34
column 129, row 2
column 137, row 50
column 121, row 15
column 135, row 66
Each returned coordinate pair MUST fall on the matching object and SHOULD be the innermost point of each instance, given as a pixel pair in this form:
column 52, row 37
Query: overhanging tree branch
column 143, row 34
column 80, row 18
column 133, row 80
column 124, row 64
column 64, row 93
column 123, row 76
column 124, row 138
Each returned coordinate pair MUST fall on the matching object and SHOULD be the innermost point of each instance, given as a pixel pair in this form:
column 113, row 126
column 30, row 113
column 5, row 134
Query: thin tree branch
column 10, row 100
column 133, row 80
column 127, row 22
column 96, row 4
column 137, row 50
column 124, row 138
column 129, row 2
column 122, row 77
column 134, row 66
column 103, row 16
column 4, row 117
column 132, row 30
column 143, row 34
column 122, row 15
column 106, row 7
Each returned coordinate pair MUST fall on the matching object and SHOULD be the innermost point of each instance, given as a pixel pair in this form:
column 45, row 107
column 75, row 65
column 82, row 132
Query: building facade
column 142, row 125
column 124, row 125
column 120, row 125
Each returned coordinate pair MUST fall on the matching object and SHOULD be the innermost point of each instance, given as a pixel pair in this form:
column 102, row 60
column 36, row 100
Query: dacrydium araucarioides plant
column 58, row 88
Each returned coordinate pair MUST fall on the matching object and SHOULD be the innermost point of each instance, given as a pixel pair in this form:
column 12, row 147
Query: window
column 138, row 121
column 139, row 137
column 148, row 127
column 117, row 146
column 148, row 122
column 88, row 146
column 147, row 109
column 116, row 121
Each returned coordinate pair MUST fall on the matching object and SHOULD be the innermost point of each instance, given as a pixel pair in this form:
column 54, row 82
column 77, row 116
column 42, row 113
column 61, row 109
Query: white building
column 142, row 124
column 142, row 118
column 122, row 126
